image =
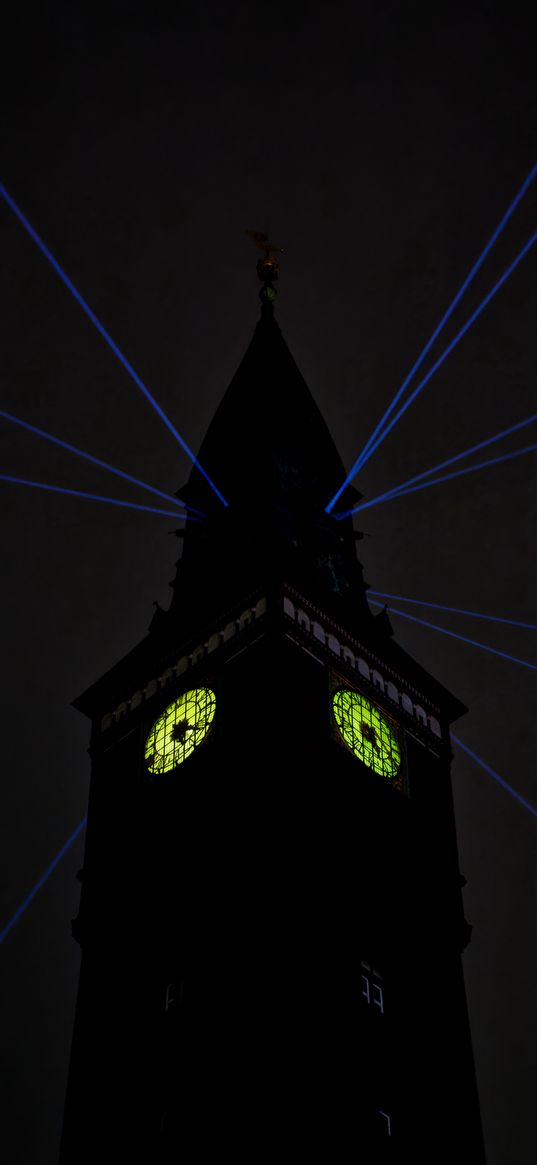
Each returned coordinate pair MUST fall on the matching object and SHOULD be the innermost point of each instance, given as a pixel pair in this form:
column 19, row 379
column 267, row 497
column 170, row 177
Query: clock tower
column 271, row 917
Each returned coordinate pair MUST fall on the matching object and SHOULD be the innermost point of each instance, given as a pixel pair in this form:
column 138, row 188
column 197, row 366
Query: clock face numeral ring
column 179, row 730
column 366, row 732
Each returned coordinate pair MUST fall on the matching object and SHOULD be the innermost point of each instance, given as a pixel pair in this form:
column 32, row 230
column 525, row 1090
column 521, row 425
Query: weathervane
column 268, row 266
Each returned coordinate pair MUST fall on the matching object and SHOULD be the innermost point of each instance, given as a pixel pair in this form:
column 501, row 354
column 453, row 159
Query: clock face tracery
column 179, row 730
column 366, row 732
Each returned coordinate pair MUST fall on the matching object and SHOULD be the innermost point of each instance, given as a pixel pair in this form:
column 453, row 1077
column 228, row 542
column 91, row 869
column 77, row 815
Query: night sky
column 380, row 145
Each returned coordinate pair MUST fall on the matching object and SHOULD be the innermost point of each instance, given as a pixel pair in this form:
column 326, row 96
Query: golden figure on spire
column 268, row 267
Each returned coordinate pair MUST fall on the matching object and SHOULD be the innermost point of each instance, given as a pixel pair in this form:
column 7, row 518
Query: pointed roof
column 270, row 452
column 271, row 455
column 268, row 437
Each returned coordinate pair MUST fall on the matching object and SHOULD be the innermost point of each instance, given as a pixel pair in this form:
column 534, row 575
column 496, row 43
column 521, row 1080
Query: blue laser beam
column 399, row 493
column 455, row 610
column 41, row 881
column 464, row 287
column 94, row 460
column 527, row 247
column 367, row 449
column 495, row 776
column 453, row 635
column 77, row 493
column 105, row 335
column 457, row 457
column 453, row 343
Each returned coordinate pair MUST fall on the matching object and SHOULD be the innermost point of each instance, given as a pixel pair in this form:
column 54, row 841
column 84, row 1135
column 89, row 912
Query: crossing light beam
column 105, row 335
column 407, row 488
column 495, row 776
column 453, row 635
column 77, row 493
column 453, row 343
column 452, row 460
column 379, row 433
column 94, row 460
column 454, row 610
column 41, row 881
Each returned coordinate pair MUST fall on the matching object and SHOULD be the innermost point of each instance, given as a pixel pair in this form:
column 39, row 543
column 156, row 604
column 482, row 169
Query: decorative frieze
column 185, row 663
column 360, row 662
column 355, row 658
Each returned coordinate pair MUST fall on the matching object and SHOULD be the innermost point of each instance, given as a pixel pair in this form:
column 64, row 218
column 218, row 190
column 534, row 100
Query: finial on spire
column 267, row 267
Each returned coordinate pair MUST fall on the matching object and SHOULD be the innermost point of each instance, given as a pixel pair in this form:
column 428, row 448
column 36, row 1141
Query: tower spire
column 276, row 461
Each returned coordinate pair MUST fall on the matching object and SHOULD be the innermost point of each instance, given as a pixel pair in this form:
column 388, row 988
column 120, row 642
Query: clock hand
column 180, row 730
column 369, row 734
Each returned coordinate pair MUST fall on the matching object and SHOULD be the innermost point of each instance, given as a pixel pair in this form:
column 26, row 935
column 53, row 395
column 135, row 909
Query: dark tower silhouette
column 271, row 914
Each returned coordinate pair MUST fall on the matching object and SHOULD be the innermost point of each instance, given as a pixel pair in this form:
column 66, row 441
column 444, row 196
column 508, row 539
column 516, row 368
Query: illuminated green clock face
column 367, row 732
column 180, row 730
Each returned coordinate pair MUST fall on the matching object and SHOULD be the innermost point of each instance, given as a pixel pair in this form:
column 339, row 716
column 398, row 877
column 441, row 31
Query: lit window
column 370, row 987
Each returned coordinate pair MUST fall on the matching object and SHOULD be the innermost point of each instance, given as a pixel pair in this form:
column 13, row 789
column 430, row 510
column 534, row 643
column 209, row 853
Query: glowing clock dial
column 179, row 730
column 367, row 733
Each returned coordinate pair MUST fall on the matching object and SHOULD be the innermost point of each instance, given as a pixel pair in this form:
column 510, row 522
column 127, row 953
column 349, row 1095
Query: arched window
column 288, row 608
column 245, row 619
column 303, row 621
column 318, row 632
column 391, row 692
column 435, row 726
column 348, row 656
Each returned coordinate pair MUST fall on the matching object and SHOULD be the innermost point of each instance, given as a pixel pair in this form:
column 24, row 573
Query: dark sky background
column 380, row 144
